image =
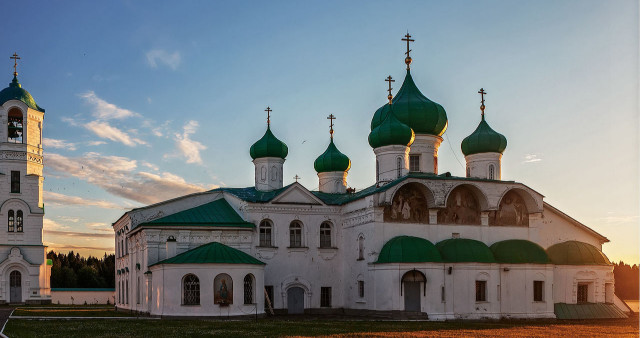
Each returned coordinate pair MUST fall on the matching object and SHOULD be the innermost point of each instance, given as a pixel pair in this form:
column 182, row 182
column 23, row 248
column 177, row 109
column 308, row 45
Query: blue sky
column 148, row 100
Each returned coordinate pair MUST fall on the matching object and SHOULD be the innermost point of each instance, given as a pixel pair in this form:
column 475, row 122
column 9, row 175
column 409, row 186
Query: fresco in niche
column 512, row 211
column 409, row 206
column 462, row 208
column 223, row 289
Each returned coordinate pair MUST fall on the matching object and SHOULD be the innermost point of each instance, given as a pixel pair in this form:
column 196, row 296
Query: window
column 126, row 292
column 14, row 126
column 265, row 233
column 492, row 170
column 481, row 291
column 361, row 288
column 122, row 247
column 11, row 220
column 377, row 171
column 583, row 293
column 138, row 291
column 190, row 290
column 15, row 182
column 538, row 286
column 414, row 162
column 248, row 289
column 19, row 221
column 442, row 295
column 398, row 167
column 325, row 235
column 360, row 248
column 468, row 172
column 325, row 296
column 295, row 235
column 268, row 300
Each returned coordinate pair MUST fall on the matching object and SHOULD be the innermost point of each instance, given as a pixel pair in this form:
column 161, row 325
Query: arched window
column 263, row 173
column 295, row 234
column 190, row 290
column 377, row 171
column 361, row 248
column 325, row 235
column 19, row 221
column 492, row 170
column 274, row 173
column 265, row 229
column 14, row 126
column 11, row 220
column 398, row 167
column 248, row 289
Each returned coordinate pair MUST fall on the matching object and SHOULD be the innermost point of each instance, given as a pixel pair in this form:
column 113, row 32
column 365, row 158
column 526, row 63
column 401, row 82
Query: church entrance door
column 412, row 296
column 15, row 287
column 295, row 300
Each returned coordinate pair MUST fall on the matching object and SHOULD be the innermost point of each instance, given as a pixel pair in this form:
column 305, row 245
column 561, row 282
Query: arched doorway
column 411, row 285
column 295, row 300
column 15, row 287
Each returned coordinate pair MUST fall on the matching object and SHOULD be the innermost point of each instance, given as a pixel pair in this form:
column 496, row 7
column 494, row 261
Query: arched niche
column 512, row 210
column 410, row 204
column 464, row 204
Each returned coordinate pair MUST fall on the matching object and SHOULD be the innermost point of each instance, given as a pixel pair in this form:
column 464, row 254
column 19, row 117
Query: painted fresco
column 409, row 206
column 462, row 208
column 223, row 289
column 512, row 211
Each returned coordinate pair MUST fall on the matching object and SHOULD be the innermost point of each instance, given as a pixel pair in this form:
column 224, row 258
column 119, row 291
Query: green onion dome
column 519, row 251
column 332, row 160
column 391, row 131
column 415, row 110
column 576, row 253
column 484, row 140
column 15, row 92
column 456, row 250
column 408, row 249
column 268, row 146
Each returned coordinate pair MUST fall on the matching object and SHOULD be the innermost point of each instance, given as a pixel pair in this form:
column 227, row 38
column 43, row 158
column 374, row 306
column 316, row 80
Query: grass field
column 306, row 327
column 70, row 312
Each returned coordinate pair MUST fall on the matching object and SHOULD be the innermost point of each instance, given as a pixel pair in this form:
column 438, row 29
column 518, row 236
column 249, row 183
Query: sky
column 150, row 100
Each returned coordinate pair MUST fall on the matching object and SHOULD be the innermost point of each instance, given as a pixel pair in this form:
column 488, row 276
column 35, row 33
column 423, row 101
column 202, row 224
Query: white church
column 415, row 244
column 24, row 269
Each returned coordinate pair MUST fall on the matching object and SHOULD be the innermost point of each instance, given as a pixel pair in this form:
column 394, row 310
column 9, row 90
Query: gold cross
column 390, row 79
column 482, row 92
column 331, row 118
column 297, row 177
column 408, row 39
column 268, row 110
column 15, row 59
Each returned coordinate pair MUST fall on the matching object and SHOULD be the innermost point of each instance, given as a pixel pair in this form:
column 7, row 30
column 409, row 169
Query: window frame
column 414, row 163
column 492, row 172
column 11, row 219
column 326, row 242
column 19, row 221
column 193, row 298
column 481, row 291
column 15, row 182
column 265, row 238
column 248, row 285
column 538, row 291
column 361, row 288
column 325, row 296
column 295, row 234
column 398, row 167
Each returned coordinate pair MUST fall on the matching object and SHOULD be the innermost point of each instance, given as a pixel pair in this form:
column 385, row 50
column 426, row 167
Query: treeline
column 626, row 280
column 72, row 271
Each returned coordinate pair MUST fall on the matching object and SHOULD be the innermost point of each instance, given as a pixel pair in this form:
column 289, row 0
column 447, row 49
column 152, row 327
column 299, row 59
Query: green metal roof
column 415, row 110
column 483, row 140
column 587, row 311
column 456, row 250
column 391, row 131
column 332, row 160
column 212, row 253
column 16, row 92
column 268, row 146
column 217, row 213
column 576, row 253
column 408, row 249
column 519, row 251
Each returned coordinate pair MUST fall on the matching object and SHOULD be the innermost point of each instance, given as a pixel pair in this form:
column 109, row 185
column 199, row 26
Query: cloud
column 160, row 56
column 49, row 224
column 105, row 130
column 530, row 158
column 60, row 199
column 59, row 247
column 104, row 110
column 77, row 234
column 58, row 144
column 96, row 143
column 120, row 177
column 187, row 147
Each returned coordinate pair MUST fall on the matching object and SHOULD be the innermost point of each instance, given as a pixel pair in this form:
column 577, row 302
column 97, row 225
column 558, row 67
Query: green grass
column 286, row 327
column 71, row 312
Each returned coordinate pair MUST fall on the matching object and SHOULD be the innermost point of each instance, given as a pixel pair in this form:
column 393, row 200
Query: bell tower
column 21, row 205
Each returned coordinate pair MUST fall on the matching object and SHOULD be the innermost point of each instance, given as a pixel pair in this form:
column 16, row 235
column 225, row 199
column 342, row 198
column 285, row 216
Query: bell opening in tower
column 14, row 126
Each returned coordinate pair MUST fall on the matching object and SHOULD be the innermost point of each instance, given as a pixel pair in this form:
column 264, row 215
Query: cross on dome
column 408, row 39
column 15, row 59
column 268, row 110
column 331, row 117
column 390, row 79
column 482, row 106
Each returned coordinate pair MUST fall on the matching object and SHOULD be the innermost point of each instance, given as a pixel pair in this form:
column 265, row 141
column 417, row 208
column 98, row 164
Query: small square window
column 325, row 296
column 414, row 162
column 481, row 291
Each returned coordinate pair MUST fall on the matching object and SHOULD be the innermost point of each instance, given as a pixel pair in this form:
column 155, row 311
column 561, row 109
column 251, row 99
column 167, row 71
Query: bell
column 14, row 131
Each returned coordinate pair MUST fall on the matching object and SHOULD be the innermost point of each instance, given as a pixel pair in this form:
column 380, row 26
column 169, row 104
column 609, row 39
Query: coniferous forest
column 73, row 271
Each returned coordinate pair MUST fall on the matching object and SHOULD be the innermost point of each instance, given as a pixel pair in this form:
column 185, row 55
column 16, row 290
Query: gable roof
column 217, row 213
column 212, row 253
column 575, row 222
